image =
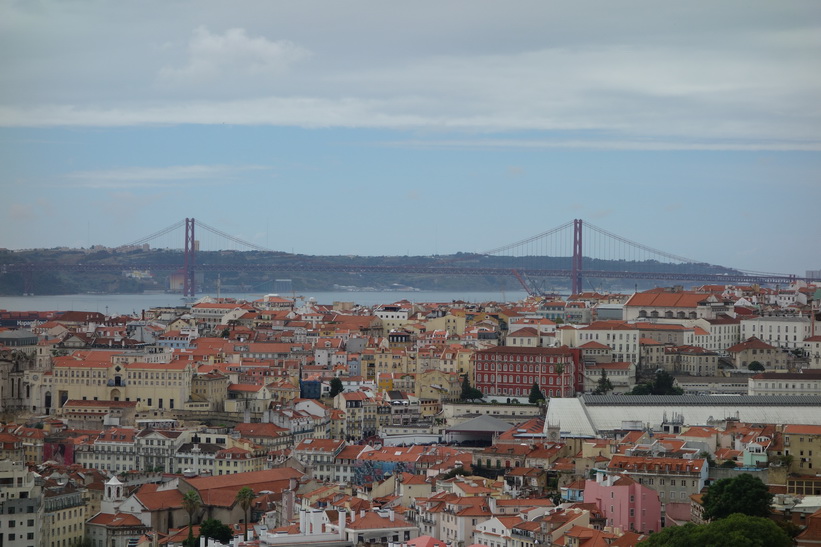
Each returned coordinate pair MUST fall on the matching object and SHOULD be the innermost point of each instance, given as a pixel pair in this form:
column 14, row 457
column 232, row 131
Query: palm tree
column 245, row 498
column 560, row 372
column 191, row 502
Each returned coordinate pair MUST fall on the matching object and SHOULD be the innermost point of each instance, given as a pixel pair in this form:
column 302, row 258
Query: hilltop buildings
column 349, row 424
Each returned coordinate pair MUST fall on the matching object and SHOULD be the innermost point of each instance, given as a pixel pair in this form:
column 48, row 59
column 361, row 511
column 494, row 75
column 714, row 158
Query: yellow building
column 803, row 443
column 456, row 358
column 64, row 516
column 437, row 385
column 360, row 414
column 454, row 323
column 375, row 361
column 239, row 459
column 154, row 386
column 211, row 388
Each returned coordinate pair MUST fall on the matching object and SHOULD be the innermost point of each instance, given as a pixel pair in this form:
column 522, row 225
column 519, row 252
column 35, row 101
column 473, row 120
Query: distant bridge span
column 522, row 251
column 28, row 268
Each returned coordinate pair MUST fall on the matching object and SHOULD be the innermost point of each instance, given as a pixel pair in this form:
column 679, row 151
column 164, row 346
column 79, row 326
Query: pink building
column 626, row 504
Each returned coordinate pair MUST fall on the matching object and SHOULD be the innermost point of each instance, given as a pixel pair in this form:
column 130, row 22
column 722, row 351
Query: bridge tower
column 576, row 266
column 190, row 257
column 28, row 279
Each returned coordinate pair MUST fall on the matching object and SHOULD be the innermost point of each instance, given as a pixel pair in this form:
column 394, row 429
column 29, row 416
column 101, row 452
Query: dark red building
column 511, row 371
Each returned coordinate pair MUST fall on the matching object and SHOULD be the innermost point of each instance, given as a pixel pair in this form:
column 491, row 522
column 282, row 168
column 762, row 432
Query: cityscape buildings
column 384, row 424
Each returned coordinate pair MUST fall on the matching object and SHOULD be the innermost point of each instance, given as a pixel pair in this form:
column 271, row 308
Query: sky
column 426, row 127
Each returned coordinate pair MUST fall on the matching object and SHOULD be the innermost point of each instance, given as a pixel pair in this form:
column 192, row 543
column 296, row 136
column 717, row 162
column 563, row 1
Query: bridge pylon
column 189, row 287
column 576, row 265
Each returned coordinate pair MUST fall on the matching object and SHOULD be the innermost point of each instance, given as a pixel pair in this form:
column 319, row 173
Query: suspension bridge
column 576, row 250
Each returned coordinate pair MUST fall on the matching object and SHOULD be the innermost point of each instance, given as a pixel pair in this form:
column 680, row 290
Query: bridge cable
column 154, row 235
column 528, row 240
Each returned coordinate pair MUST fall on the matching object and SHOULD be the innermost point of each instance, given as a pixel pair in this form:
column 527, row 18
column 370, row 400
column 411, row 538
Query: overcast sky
column 374, row 128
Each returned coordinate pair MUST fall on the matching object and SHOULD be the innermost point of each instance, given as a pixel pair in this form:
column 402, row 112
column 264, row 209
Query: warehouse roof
column 592, row 415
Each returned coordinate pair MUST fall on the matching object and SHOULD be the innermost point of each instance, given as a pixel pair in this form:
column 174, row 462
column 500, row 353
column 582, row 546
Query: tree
column 604, row 384
column 756, row 366
column 245, row 499
column 469, row 393
column 708, row 457
column 662, row 384
column 536, row 394
column 454, row 472
column 191, row 502
column 215, row 529
column 560, row 372
column 641, row 389
column 744, row 494
column 734, row 531
column 336, row 387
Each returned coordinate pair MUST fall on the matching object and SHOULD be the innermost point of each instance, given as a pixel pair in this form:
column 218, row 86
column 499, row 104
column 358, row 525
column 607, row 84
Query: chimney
column 391, row 514
column 361, row 513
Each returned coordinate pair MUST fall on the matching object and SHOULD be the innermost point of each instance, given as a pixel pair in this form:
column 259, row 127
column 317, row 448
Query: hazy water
column 134, row 303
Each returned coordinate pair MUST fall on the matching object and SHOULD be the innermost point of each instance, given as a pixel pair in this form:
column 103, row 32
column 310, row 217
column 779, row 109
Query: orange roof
column 639, row 463
column 798, row 429
column 594, row 345
column 120, row 520
column 373, row 521
column 751, row 343
column 699, row 432
column 249, row 430
column 659, row 298
column 221, row 490
column 319, row 445
column 154, row 500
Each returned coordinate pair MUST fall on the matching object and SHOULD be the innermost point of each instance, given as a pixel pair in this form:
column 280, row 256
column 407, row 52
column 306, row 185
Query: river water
column 124, row 304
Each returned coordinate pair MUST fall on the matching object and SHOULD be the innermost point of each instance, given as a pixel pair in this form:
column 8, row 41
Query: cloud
column 615, row 142
column 697, row 76
column 225, row 57
column 146, row 177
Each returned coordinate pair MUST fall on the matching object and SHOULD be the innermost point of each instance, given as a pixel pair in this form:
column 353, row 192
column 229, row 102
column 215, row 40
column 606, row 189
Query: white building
column 21, row 504
column 779, row 331
column 812, row 346
column 621, row 375
column 795, row 384
column 621, row 337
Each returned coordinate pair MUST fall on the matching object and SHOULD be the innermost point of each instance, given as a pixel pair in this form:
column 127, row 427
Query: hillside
column 256, row 271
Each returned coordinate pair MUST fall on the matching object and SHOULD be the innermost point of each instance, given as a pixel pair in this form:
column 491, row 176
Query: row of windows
column 104, row 375
column 519, row 368
column 521, row 392
column 30, row 535
column 778, row 329
column 522, row 358
column 13, row 523
column 519, row 379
